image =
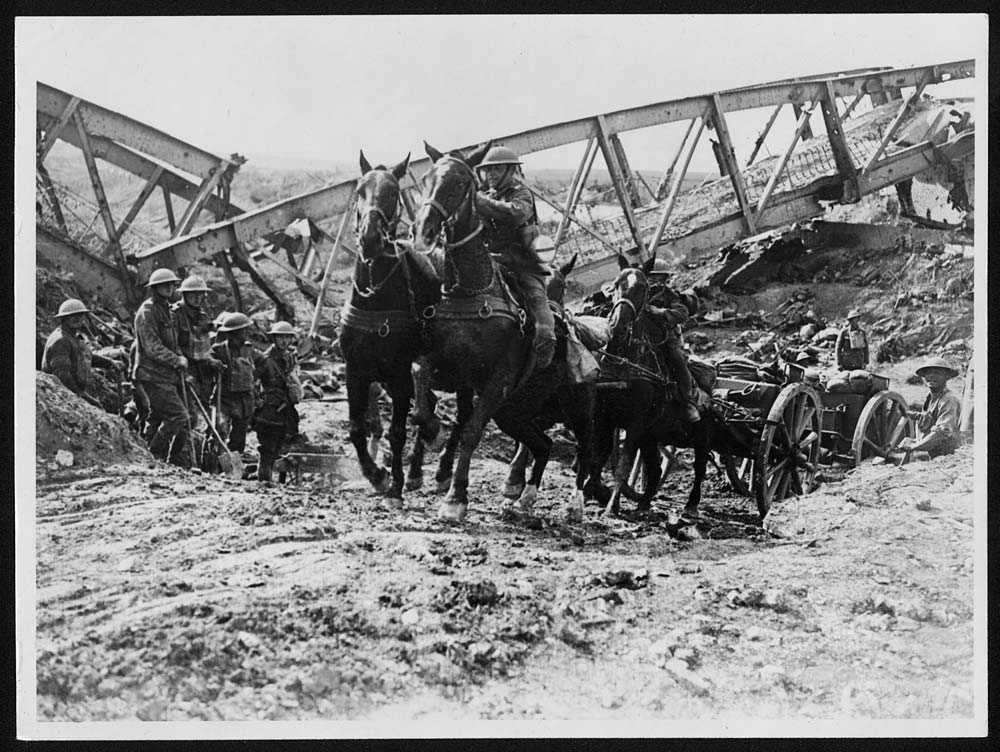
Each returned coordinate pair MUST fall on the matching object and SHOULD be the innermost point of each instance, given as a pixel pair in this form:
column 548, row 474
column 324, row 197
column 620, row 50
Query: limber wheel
column 636, row 486
column 739, row 470
column 789, row 447
column 883, row 423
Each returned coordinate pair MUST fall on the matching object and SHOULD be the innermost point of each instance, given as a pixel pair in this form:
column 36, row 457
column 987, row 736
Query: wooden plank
column 728, row 154
column 618, row 181
column 675, row 189
column 321, row 298
column 838, row 145
column 53, row 131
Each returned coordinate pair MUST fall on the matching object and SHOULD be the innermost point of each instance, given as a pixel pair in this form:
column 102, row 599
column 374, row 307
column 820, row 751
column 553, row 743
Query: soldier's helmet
column 235, row 321
column 854, row 313
column 282, row 327
column 71, row 307
column 499, row 155
column 940, row 364
column 193, row 283
column 161, row 276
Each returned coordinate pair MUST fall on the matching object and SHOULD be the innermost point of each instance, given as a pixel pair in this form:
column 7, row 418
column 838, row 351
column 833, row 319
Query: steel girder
column 331, row 200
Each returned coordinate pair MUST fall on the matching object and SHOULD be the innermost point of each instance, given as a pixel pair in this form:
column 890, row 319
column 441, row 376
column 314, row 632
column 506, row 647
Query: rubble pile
column 71, row 432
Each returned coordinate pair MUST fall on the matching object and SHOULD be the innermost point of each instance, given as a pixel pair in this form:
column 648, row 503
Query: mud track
column 166, row 595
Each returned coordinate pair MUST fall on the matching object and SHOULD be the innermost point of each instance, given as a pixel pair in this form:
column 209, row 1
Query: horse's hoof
column 381, row 481
column 455, row 512
column 512, row 490
column 528, row 498
column 574, row 512
column 690, row 515
column 394, row 502
column 443, row 486
column 414, row 482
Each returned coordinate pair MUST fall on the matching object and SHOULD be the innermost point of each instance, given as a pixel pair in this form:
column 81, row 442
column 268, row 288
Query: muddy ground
column 168, row 595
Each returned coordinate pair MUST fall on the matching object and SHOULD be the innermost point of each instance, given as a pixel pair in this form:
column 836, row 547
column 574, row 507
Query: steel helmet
column 499, row 155
column 282, row 327
column 194, row 283
column 71, row 307
column 853, row 313
column 235, row 321
column 940, row 363
column 161, row 276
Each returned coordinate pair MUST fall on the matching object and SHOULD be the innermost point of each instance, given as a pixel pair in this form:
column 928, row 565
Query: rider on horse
column 677, row 309
column 508, row 209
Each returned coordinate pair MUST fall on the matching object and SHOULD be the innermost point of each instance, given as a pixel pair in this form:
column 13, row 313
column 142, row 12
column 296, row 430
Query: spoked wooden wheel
column 636, row 486
column 883, row 423
column 739, row 470
column 789, row 447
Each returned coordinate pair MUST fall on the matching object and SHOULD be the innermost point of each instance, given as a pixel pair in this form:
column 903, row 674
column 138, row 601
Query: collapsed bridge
column 879, row 130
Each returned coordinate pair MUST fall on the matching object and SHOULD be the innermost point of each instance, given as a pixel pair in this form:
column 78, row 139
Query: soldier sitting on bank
column 67, row 356
column 938, row 421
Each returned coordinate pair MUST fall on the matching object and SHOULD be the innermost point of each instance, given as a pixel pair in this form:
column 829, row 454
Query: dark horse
column 381, row 325
column 572, row 404
column 480, row 343
column 646, row 406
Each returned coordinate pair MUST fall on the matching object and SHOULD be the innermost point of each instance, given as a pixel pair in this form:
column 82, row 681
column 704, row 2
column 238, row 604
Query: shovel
column 231, row 463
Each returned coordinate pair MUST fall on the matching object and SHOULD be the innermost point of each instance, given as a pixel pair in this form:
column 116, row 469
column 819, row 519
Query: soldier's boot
column 691, row 414
column 159, row 446
column 545, row 348
column 264, row 467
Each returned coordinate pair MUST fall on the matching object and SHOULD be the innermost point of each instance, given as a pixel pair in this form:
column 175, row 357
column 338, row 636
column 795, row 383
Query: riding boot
column 545, row 325
column 691, row 414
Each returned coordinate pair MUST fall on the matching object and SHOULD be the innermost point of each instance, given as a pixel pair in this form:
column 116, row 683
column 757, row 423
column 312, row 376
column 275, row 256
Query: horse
column 572, row 404
column 480, row 347
column 381, row 329
column 647, row 407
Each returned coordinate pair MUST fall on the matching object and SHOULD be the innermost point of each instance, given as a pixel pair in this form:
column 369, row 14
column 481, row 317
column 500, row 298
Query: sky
column 321, row 88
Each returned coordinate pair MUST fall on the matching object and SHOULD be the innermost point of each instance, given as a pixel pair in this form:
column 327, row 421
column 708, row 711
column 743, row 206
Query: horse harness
column 632, row 369
column 471, row 303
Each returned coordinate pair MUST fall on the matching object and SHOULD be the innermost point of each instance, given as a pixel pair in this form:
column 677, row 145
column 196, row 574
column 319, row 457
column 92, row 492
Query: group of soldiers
column 180, row 369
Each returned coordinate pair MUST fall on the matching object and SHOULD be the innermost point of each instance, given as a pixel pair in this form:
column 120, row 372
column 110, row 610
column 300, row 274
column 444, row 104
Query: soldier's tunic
column 237, row 395
column 504, row 212
column 157, row 365
column 852, row 349
column 194, row 329
column 672, row 315
column 940, row 419
column 276, row 420
column 67, row 357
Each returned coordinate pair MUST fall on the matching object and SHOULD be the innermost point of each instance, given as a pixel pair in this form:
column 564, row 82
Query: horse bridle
column 387, row 233
column 450, row 218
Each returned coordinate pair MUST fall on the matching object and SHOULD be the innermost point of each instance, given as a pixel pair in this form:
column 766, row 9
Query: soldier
column 677, row 308
column 276, row 420
column 236, row 394
column 852, row 344
column 67, row 356
column 159, row 370
column 509, row 219
column 937, row 422
column 194, row 336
